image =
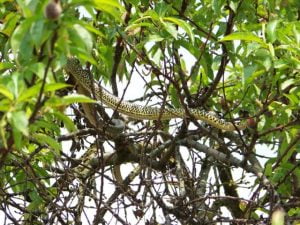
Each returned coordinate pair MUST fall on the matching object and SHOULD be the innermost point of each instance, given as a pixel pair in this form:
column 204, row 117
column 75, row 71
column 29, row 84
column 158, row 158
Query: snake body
column 136, row 111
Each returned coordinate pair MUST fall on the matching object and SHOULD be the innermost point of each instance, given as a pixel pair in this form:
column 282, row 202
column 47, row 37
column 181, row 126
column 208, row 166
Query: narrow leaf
column 56, row 86
column 184, row 25
column 170, row 28
column 243, row 36
column 155, row 38
column 5, row 65
column 4, row 91
column 34, row 90
column 77, row 99
column 66, row 120
column 137, row 25
column 45, row 139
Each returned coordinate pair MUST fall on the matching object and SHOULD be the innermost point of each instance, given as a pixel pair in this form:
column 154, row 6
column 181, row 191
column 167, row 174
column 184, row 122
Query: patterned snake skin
column 135, row 111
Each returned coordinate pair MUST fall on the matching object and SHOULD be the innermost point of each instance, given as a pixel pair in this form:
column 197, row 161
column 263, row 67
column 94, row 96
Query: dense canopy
column 66, row 158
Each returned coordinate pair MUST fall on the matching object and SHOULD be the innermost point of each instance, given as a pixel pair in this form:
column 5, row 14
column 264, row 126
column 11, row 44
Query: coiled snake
column 135, row 111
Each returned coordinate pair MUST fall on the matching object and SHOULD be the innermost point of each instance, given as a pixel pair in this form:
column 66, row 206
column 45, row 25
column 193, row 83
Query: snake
column 139, row 112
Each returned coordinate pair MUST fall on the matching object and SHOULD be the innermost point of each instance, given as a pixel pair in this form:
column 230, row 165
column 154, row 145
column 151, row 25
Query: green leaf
column 272, row 50
column 11, row 20
column 70, row 99
column 90, row 28
column 34, row 196
column 296, row 34
column 19, row 183
column 248, row 72
column 56, row 86
column 66, row 120
column 155, row 38
column 174, row 96
column 5, row 104
column 262, row 56
column 243, row 36
column 171, row 29
column 234, row 5
column 271, row 30
column 85, row 36
column 41, row 172
column 19, row 121
column 21, row 41
column 16, row 84
column 7, row 93
column 268, row 169
column 281, row 64
column 152, row 14
column 137, row 25
column 111, row 7
column 134, row 2
column 294, row 211
column 217, row 6
column 36, row 202
column 294, row 100
column 156, row 55
column 24, row 6
column 34, row 90
column 37, row 32
column 45, row 125
column 17, row 138
column 5, row 65
column 287, row 83
column 111, row 3
column 45, row 139
column 161, row 8
column 38, row 69
column 184, row 25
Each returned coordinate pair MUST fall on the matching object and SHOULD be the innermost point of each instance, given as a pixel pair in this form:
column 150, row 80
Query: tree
column 67, row 159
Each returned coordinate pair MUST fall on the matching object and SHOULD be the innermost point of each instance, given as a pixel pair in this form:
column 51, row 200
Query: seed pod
column 251, row 123
column 53, row 10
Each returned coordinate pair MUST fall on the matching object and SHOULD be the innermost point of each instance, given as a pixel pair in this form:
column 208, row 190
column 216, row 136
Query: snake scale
column 136, row 111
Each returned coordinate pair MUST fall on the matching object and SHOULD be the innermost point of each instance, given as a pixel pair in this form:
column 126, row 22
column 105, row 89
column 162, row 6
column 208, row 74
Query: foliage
column 239, row 59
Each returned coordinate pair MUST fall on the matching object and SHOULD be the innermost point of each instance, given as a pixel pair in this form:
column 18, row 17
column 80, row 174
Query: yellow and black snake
column 135, row 111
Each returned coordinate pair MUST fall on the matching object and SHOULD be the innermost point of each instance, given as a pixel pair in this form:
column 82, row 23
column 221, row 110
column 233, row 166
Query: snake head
column 72, row 64
column 74, row 68
column 73, row 60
